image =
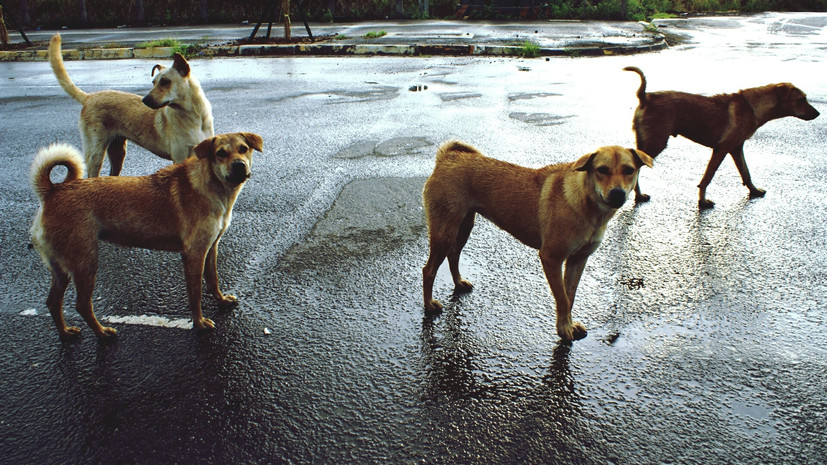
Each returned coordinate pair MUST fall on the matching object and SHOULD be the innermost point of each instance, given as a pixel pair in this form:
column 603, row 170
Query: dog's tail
column 56, row 60
column 641, row 91
column 47, row 159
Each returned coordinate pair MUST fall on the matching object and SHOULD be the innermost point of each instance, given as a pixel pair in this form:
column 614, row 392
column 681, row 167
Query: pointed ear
column 158, row 68
column 180, row 64
column 584, row 163
column 254, row 140
column 642, row 158
column 204, row 148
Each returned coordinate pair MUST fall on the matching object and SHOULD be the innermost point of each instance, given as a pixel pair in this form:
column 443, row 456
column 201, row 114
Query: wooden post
column 4, row 34
column 285, row 7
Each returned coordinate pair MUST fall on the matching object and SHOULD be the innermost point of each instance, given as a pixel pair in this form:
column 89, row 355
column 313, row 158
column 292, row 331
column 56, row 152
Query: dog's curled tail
column 641, row 91
column 47, row 159
column 56, row 60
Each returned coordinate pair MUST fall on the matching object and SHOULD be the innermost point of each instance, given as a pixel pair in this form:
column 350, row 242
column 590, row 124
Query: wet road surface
column 706, row 335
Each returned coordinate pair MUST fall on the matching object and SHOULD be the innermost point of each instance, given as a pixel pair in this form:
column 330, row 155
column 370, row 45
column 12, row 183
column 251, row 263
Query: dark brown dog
column 562, row 210
column 722, row 122
column 181, row 208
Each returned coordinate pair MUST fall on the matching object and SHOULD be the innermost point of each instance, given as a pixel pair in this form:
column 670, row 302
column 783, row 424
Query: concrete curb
column 332, row 49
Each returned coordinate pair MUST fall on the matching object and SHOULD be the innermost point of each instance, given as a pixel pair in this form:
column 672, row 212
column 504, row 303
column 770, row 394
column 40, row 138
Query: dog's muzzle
column 238, row 172
column 151, row 103
column 810, row 115
column 617, row 197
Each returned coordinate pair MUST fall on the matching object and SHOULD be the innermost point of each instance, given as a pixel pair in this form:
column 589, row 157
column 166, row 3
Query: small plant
column 340, row 37
column 530, row 49
column 375, row 35
column 188, row 51
column 159, row 43
column 651, row 28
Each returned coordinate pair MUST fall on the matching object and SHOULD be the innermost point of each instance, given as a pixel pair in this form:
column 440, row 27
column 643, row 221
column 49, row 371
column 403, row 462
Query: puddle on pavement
column 395, row 147
column 451, row 96
column 539, row 119
column 531, row 95
column 346, row 233
column 339, row 96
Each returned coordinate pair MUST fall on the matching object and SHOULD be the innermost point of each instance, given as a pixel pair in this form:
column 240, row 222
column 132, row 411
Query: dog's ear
column 204, row 148
column 642, row 158
column 158, row 68
column 254, row 140
column 180, row 64
column 584, row 163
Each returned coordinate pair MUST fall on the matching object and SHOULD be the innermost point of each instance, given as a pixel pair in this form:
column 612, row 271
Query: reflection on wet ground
column 539, row 119
column 395, row 147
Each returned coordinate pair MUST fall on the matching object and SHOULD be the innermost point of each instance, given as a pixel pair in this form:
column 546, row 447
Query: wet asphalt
column 706, row 335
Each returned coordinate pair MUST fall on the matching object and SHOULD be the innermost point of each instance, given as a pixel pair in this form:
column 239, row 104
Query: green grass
column 340, row 37
column 159, row 43
column 188, row 50
column 530, row 49
column 375, row 34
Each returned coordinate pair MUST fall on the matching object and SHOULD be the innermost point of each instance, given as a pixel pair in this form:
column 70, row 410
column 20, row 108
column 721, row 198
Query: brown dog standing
column 169, row 121
column 722, row 122
column 562, row 210
column 182, row 208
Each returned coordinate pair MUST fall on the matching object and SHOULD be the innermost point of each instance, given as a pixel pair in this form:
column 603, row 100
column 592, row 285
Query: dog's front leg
column 566, row 328
column 714, row 162
column 193, row 270
column 211, row 277
column 741, row 164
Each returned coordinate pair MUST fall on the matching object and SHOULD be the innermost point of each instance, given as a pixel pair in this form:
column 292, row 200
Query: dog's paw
column 703, row 204
column 203, row 323
column 227, row 300
column 572, row 332
column 755, row 193
column 434, row 306
column 70, row 334
column 107, row 333
column 463, row 286
column 641, row 198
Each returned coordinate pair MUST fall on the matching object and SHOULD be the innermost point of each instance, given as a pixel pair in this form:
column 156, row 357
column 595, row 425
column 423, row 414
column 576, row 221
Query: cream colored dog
column 562, row 210
column 169, row 121
column 183, row 208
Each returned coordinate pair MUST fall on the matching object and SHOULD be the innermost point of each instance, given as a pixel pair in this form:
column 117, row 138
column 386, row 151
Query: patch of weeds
column 188, row 51
column 375, row 34
column 530, row 49
column 159, row 43
column 340, row 37
column 573, row 52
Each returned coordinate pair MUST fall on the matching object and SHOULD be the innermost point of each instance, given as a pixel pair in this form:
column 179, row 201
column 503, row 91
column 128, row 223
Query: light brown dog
column 722, row 122
column 181, row 208
column 562, row 210
column 169, row 121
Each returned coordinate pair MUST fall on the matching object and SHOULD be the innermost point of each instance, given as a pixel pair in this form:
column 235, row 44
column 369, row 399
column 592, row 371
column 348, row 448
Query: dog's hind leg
column 460, row 285
column 116, row 152
column 741, row 164
column 84, row 277
column 653, row 144
column 441, row 242
column 60, row 281
column 94, row 149
column 714, row 162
